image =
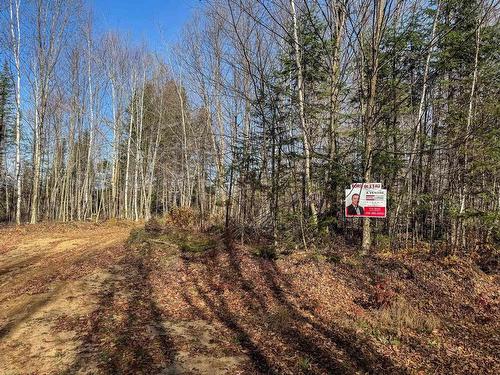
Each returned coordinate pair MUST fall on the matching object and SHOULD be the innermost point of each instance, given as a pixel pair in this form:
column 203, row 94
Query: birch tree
column 15, row 33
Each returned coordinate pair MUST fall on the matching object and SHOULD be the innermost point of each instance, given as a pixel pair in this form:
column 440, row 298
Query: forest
column 261, row 106
column 236, row 142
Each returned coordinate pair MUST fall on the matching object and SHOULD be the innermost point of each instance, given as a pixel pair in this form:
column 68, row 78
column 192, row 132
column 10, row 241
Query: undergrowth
column 154, row 232
column 393, row 323
column 266, row 252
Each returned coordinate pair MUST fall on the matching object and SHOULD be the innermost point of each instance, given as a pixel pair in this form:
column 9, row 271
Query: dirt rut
column 74, row 299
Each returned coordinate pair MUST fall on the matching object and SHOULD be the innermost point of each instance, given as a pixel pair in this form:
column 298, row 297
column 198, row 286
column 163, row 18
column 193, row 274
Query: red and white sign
column 366, row 200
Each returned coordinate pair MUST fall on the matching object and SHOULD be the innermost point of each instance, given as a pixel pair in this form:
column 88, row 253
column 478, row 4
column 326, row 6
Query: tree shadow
column 125, row 334
column 28, row 310
column 298, row 343
column 362, row 356
column 18, row 266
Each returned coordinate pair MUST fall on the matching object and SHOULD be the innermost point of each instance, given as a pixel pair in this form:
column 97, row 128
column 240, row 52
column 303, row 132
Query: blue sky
column 142, row 20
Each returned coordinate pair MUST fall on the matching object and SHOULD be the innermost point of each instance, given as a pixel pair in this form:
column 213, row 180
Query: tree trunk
column 303, row 125
column 369, row 120
column 15, row 32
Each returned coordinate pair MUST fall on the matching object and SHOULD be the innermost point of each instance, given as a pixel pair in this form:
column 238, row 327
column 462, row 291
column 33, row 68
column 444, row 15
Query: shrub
column 488, row 259
column 183, row 217
column 266, row 252
column 382, row 296
column 304, row 364
column 153, row 226
column 138, row 237
column 334, row 258
column 196, row 245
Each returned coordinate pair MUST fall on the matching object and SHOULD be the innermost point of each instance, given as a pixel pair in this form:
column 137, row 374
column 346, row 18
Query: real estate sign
column 366, row 200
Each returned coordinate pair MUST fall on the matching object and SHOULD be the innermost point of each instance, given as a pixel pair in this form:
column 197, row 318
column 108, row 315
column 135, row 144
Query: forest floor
column 114, row 298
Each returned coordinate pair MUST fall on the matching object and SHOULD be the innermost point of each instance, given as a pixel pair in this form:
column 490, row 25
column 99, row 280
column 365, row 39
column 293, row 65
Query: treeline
column 265, row 112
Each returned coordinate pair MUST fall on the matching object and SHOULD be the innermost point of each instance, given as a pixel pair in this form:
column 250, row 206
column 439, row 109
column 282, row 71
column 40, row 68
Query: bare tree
column 15, row 32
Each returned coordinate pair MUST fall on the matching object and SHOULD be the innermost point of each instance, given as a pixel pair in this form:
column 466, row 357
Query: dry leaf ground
column 94, row 299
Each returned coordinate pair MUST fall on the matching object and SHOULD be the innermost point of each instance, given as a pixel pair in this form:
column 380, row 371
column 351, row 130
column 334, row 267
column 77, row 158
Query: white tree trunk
column 138, row 151
column 305, row 135
column 129, row 142
column 15, row 32
column 86, row 183
column 36, row 155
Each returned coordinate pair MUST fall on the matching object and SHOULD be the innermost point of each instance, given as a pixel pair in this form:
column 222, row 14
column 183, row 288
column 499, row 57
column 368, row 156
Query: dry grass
column 401, row 317
column 398, row 322
column 279, row 318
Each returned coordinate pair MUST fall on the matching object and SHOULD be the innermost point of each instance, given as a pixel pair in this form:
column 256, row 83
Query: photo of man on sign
column 354, row 208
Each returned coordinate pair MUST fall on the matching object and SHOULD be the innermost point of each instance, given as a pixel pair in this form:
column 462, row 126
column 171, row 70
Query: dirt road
column 72, row 300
